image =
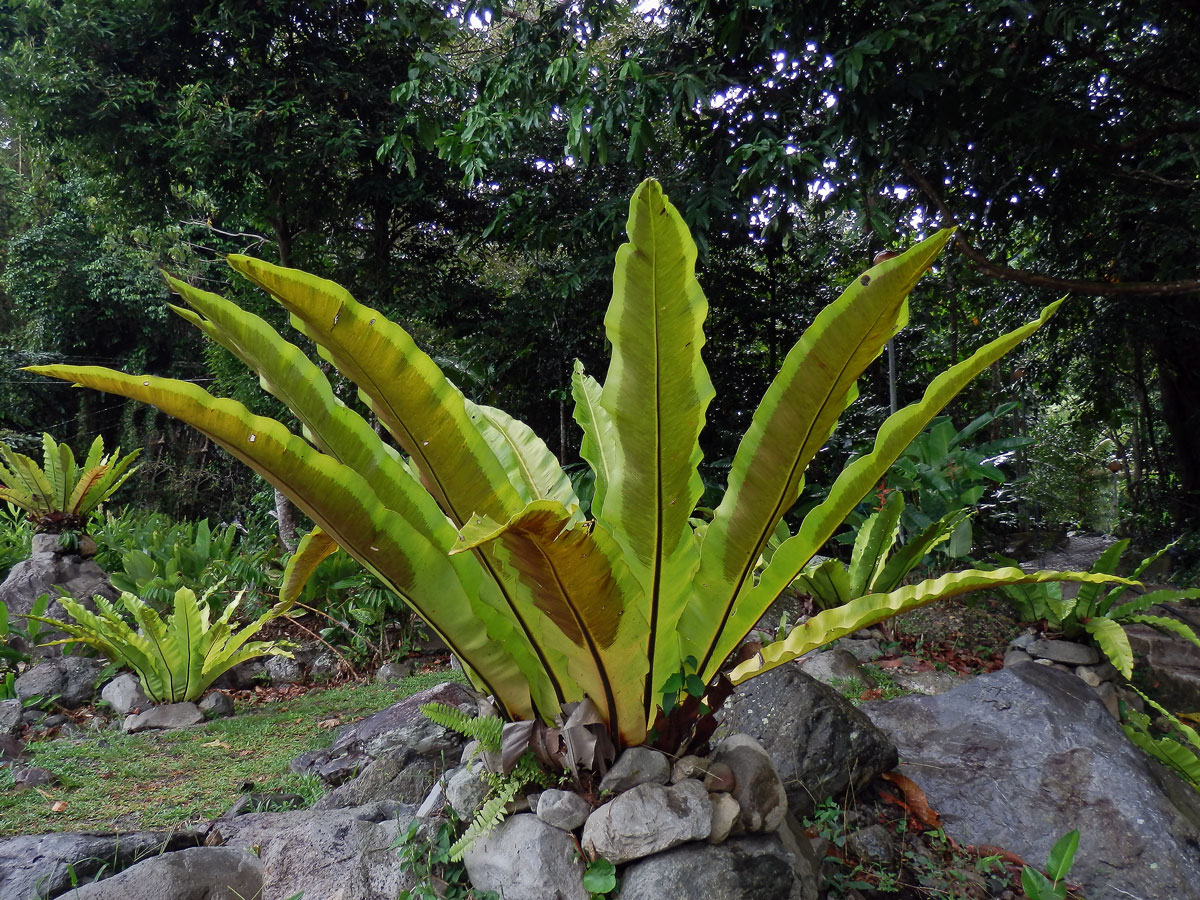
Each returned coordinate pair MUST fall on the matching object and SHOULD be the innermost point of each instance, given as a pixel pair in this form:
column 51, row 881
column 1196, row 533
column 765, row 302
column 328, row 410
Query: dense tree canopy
column 465, row 166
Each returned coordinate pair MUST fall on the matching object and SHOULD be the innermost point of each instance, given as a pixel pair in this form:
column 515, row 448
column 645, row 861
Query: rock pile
column 734, row 796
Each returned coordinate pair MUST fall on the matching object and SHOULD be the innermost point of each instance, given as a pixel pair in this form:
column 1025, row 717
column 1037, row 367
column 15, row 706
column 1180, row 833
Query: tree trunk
column 285, row 515
column 1179, row 383
column 285, row 512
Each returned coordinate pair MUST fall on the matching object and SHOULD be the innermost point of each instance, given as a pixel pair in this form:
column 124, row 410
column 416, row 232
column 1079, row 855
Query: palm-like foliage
column 874, row 567
column 58, row 495
column 176, row 659
column 475, row 525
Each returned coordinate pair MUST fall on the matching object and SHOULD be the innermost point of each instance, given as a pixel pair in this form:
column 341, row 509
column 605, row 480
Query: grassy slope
column 115, row 781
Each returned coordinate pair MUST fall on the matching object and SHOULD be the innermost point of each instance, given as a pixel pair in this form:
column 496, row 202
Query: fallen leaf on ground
column 914, row 799
column 329, row 723
column 58, row 806
column 221, row 744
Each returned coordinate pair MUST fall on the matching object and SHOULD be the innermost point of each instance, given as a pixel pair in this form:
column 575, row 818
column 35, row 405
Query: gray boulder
column 830, row 666
column 335, row 856
column 49, row 567
column 466, row 790
column 1021, row 756
column 757, row 789
column 648, row 819
column 10, row 717
column 748, row 868
column 393, row 671
column 1066, row 652
column 820, row 744
column 201, row 873
column 71, row 680
column 401, row 731
column 395, row 776
column 124, row 694
column 283, row 670
column 526, row 859
column 43, row 865
column 342, row 854
column 216, row 705
column 164, row 717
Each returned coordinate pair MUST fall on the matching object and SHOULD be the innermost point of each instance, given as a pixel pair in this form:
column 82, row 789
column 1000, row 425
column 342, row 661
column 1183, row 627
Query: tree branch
column 1006, row 273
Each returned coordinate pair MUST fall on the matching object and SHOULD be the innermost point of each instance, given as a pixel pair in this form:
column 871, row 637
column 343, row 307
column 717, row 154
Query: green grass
column 157, row 780
column 854, row 688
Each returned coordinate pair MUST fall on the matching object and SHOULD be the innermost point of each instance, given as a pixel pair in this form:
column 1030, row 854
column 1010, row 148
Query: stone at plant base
column 562, row 809
column 748, row 868
column 45, row 865
column 828, row 666
column 725, row 812
column 165, row 716
column 1021, row 756
column 526, row 859
column 402, row 728
column 324, row 667
column 637, row 765
column 820, row 744
column 690, row 766
column 282, row 670
column 648, row 819
column 466, row 790
column 393, row 671
column 125, row 695
column 1087, row 674
column 33, row 777
column 201, row 873
column 1107, row 693
column 1067, row 652
column 757, row 787
column 10, row 717
column 216, row 705
column 862, row 649
column 1014, row 656
column 71, row 680
column 719, row 777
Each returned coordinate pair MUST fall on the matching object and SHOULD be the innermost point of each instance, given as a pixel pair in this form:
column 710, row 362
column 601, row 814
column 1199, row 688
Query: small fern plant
column 505, row 786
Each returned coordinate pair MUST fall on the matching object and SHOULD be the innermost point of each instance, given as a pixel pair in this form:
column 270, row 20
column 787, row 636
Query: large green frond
column 656, row 393
column 862, row 612
column 793, row 422
column 854, row 482
column 576, row 577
